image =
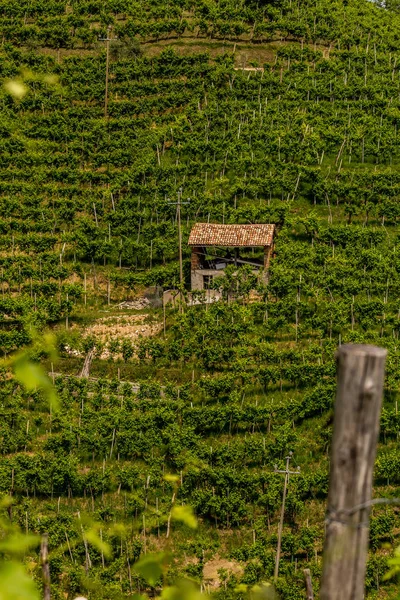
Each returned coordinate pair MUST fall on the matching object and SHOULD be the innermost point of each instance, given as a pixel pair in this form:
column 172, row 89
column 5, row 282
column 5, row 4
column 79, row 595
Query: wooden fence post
column 308, row 582
column 359, row 394
column 44, row 559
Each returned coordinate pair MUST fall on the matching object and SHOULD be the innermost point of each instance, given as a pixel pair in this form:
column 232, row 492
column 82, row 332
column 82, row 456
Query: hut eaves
column 210, row 234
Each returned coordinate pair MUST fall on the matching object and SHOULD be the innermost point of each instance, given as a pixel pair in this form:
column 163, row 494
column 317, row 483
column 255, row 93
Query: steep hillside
column 283, row 112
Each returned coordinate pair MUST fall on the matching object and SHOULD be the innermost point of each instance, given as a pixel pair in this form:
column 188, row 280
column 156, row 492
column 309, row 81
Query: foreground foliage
column 309, row 142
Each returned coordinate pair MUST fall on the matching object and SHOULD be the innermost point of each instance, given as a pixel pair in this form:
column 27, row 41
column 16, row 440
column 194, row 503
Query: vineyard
column 283, row 112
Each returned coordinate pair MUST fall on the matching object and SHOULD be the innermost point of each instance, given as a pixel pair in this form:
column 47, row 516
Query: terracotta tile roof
column 210, row 234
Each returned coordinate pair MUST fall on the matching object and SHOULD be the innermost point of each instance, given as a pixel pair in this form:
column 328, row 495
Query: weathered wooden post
column 308, row 582
column 44, row 560
column 355, row 434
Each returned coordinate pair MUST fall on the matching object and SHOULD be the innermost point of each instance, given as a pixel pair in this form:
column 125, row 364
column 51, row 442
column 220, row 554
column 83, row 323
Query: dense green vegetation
column 309, row 142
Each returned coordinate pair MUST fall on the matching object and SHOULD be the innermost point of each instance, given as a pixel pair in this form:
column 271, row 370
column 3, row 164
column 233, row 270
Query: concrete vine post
column 107, row 40
column 360, row 381
column 178, row 205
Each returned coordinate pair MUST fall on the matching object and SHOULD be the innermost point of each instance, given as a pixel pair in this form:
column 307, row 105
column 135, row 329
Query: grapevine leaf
column 171, row 478
column 185, row 514
column 18, row 543
column 151, row 567
column 16, row 88
column 183, row 590
column 95, row 540
column 32, row 377
column 15, row 584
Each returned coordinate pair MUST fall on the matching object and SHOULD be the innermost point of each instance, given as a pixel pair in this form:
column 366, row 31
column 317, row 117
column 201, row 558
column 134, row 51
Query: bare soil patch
column 211, row 568
column 133, row 327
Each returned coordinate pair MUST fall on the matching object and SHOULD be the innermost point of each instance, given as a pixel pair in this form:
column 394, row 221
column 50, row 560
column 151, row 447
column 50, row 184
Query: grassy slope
column 314, row 137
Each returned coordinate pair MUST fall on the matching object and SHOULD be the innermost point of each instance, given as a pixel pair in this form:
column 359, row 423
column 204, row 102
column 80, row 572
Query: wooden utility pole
column 359, row 394
column 44, row 560
column 180, row 238
column 287, row 472
column 107, row 40
column 178, row 205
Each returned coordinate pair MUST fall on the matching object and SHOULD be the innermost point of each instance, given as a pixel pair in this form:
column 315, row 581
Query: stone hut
column 215, row 246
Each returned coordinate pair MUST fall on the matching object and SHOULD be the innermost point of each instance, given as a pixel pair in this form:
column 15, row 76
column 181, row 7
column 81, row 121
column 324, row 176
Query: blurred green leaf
column 5, row 501
column 49, row 343
column 16, row 88
column 171, row 478
column 15, row 584
column 151, row 567
column 18, row 543
column 50, row 79
column 94, row 539
column 183, row 590
column 395, row 564
column 241, row 588
column 32, row 377
column 184, row 514
column 263, row 591
column 118, row 529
